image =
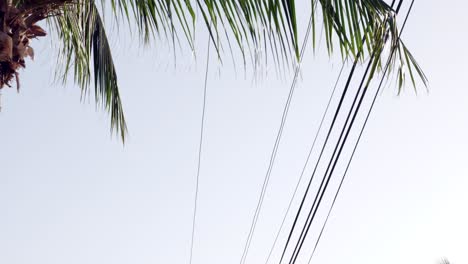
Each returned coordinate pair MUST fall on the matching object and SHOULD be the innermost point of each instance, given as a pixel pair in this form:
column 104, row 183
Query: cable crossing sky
column 335, row 156
column 300, row 228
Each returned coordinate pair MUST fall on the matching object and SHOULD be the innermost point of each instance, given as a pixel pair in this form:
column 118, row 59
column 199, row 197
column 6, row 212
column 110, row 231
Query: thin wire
column 326, row 179
column 275, row 147
column 305, row 165
column 199, row 153
column 321, row 153
column 359, row 137
column 302, row 236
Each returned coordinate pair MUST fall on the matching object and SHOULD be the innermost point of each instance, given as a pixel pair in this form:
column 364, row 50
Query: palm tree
column 357, row 27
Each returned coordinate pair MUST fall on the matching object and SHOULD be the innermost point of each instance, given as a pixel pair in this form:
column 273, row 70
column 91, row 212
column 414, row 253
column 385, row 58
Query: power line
column 199, row 154
column 330, row 167
column 326, row 180
column 320, row 155
column 275, row 147
column 360, row 135
column 305, row 165
column 303, row 232
column 307, row 160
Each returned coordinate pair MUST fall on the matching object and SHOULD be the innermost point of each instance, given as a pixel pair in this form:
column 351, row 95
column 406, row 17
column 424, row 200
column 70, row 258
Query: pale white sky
column 69, row 193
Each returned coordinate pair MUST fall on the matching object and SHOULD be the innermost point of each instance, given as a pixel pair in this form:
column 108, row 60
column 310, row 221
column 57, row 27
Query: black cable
column 360, row 135
column 275, row 147
column 305, row 165
column 311, row 216
column 326, row 141
column 321, row 152
column 326, row 179
column 306, row 162
column 199, row 153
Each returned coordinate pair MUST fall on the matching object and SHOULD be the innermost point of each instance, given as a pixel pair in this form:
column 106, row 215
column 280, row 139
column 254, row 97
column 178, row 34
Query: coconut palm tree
column 357, row 27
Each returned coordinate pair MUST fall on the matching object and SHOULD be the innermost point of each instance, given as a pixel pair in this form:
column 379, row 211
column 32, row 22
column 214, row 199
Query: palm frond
column 82, row 32
column 358, row 28
column 352, row 25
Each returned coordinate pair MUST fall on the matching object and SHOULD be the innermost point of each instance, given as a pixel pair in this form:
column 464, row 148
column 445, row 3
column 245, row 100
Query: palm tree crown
column 357, row 27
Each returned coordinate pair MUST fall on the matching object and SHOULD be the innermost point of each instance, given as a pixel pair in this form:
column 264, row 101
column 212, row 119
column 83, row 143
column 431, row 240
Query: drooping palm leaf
column 84, row 40
column 358, row 27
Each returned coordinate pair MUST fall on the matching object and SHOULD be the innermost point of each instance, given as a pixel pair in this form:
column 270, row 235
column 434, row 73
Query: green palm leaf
column 84, row 40
column 358, row 28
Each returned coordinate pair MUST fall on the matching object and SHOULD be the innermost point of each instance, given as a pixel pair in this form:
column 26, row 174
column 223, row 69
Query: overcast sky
column 71, row 193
